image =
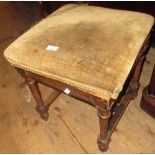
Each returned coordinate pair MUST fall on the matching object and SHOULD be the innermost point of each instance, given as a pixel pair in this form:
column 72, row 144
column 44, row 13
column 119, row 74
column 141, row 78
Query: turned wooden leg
column 41, row 108
column 134, row 85
column 103, row 138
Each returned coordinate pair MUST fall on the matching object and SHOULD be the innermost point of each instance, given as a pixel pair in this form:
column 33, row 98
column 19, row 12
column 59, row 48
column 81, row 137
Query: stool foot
column 43, row 111
column 134, row 87
column 103, row 144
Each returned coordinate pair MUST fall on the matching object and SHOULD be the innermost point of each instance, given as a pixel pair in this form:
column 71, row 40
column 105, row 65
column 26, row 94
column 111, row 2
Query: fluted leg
column 103, row 138
column 41, row 108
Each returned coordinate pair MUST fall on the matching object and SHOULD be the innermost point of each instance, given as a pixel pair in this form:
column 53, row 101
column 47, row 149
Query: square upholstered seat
column 97, row 47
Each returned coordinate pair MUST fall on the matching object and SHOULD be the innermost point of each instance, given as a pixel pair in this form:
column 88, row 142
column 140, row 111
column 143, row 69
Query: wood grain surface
column 72, row 126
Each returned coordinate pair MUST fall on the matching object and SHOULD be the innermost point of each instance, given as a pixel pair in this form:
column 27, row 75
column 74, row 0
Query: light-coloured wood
column 73, row 125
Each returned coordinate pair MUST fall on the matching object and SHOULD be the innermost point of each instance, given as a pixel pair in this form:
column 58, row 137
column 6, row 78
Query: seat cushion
column 97, row 47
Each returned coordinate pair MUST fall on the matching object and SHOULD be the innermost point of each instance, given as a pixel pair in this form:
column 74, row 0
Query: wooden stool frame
column 109, row 113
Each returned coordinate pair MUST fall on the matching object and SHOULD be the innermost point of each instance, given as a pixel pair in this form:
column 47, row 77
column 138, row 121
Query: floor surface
column 73, row 125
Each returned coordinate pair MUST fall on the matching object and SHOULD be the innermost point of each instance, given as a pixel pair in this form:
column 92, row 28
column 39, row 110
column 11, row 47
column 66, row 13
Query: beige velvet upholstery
column 97, row 47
